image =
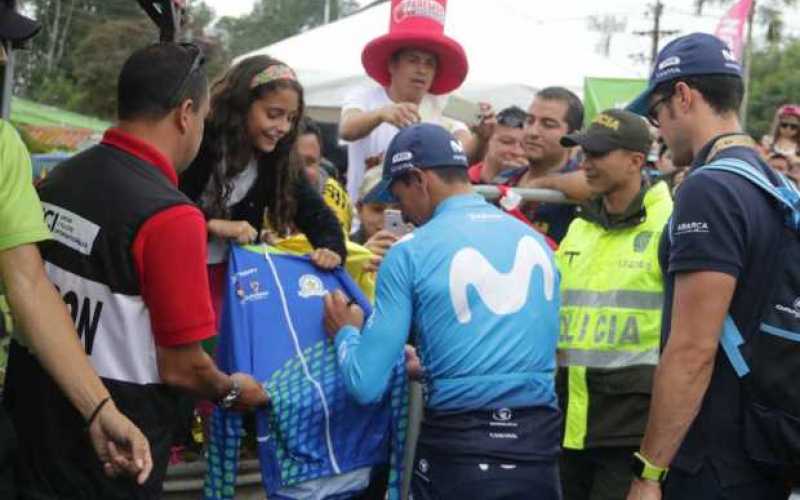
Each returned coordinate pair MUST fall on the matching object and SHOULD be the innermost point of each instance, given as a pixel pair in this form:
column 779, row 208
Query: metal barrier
column 527, row 194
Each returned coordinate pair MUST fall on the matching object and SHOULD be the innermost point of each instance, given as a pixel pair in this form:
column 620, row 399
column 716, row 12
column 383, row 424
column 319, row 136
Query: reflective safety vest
column 608, row 346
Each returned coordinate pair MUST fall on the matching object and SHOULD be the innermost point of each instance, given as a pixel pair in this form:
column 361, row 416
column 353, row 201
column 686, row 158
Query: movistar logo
column 503, row 293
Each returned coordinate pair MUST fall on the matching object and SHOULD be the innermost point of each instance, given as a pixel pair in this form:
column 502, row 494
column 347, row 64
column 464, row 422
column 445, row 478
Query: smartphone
column 393, row 222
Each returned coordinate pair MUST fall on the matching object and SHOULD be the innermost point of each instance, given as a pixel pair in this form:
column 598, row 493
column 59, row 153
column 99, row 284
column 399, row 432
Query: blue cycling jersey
column 479, row 292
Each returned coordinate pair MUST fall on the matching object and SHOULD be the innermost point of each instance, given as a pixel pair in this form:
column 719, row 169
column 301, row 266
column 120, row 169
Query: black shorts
column 436, row 479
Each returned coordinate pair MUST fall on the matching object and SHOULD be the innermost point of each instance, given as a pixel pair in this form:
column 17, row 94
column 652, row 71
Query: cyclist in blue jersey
column 477, row 292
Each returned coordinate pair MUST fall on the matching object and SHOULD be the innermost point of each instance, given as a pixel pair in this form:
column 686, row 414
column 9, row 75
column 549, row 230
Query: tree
column 274, row 20
column 98, row 59
column 774, row 81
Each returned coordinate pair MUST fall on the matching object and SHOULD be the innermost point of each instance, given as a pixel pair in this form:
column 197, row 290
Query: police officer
column 611, row 293
column 477, row 290
column 716, row 261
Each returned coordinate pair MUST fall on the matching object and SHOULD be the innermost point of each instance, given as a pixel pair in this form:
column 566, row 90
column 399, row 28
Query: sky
column 634, row 10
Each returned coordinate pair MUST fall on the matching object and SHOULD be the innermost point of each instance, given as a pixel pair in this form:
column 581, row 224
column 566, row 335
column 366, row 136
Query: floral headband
column 272, row 73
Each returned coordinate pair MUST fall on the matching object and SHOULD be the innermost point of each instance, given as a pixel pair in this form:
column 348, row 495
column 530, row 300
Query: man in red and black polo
column 128, row 257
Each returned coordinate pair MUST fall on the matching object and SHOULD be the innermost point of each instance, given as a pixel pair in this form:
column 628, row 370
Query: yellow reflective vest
column 612, row 294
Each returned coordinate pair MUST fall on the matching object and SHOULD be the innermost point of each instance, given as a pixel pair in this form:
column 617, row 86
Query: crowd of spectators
column 192, row 168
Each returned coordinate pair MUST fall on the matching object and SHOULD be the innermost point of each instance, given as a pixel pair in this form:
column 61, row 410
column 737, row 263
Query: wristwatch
column 643, row 469
column 232, row 396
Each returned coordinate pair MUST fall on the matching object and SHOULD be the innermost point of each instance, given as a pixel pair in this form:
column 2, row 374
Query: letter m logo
column 502, row 293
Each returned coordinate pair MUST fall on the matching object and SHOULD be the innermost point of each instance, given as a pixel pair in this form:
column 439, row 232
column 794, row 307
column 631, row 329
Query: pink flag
column 731, row 27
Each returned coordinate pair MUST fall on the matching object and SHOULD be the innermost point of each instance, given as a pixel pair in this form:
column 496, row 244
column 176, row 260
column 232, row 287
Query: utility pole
column 656, row 33
column 748, row 61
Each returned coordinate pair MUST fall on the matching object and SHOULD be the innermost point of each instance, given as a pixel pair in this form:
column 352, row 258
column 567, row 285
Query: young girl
column 785, row 138
column 248, row 172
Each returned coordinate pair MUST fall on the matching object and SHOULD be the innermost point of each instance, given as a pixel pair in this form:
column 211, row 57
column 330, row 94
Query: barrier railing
column 527, row 194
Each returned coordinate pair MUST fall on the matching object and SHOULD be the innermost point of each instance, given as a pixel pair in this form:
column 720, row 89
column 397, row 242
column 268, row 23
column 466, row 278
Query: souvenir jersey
column 272, row 328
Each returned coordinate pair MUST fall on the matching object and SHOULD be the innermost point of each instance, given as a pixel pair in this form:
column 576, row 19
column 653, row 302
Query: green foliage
column 74, row 62
column 274, row 20
column 774, row 81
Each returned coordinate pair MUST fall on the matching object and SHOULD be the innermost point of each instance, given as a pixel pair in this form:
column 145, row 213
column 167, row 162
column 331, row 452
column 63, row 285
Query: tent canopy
column 512, row 53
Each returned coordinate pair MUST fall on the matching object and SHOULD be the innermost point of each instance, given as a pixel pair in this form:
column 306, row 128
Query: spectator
column 488, row 356
column 413, row 63
column 785, row 138
column 309, row 146
column 128, row 257
column 504, row 153
column 722, row 237
column 611, row 308
column 667, row 171
column 554, row 112
column 248, row 175
column 780, row 163
column 371, row 233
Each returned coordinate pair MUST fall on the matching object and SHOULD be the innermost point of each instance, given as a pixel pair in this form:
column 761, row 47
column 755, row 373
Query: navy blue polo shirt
column 723, row 223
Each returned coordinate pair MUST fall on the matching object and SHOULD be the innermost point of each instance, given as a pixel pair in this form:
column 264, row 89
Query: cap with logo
column 422, row 146
column 695, row 54
column 612, row 129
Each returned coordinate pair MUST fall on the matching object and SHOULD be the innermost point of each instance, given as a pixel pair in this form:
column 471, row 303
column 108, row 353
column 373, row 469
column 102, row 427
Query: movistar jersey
column 478, row 291
column 272, row 328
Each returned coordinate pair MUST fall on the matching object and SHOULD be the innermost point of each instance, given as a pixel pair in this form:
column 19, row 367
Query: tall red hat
column 418, row 24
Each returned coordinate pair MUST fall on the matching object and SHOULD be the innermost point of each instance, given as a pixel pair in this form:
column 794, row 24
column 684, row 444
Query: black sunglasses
column 652, row 111
column 793, row 126
column 198, row 59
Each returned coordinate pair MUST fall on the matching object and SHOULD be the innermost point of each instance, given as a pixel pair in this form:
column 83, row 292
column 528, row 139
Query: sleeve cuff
column 688, row 266
column 345, row 333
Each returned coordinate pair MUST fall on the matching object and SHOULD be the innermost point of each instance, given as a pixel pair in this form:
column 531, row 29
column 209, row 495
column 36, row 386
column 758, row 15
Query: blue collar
column 458, row 202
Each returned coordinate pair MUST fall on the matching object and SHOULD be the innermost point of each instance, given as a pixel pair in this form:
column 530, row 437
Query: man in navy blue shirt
column 716, row 256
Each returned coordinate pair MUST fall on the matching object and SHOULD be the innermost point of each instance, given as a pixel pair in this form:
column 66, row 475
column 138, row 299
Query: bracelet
column 97, row 411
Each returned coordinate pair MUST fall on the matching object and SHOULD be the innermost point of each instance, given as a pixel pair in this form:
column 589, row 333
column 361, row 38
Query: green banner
column 603, row 93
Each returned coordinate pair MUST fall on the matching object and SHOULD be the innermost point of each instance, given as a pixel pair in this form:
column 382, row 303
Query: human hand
column 642, row 489
column 325, row 259
column 340, row 312
column 253, row 394
column 381, row 242
column 238, row 230
column 401, row 114
column 413, row 364
column 487, row 119
column 373, row 264
column 120, row 445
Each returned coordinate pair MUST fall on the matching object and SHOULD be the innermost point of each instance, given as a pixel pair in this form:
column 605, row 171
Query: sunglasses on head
column 793, row 126
column 198, row 59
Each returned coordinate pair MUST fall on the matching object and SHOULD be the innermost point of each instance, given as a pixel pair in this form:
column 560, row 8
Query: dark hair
column 448, row 174
column 513, row 117
column 574, row 116
column 724, row 93
column 226, row 148
column 159, row 78
column 309, row 126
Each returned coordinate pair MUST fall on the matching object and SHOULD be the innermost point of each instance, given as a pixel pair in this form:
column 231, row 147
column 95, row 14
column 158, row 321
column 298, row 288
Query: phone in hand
column 393, row 222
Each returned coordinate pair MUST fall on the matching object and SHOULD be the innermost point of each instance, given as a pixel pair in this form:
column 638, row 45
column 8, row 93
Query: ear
column 183, row 115
column 686, row 97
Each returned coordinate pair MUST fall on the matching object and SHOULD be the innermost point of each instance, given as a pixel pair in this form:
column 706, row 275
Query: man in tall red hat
column 413, row 63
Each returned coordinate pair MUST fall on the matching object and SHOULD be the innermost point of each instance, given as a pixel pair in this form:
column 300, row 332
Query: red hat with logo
column 418, row 24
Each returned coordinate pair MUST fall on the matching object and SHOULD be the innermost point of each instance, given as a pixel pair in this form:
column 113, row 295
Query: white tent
column 514, row 48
